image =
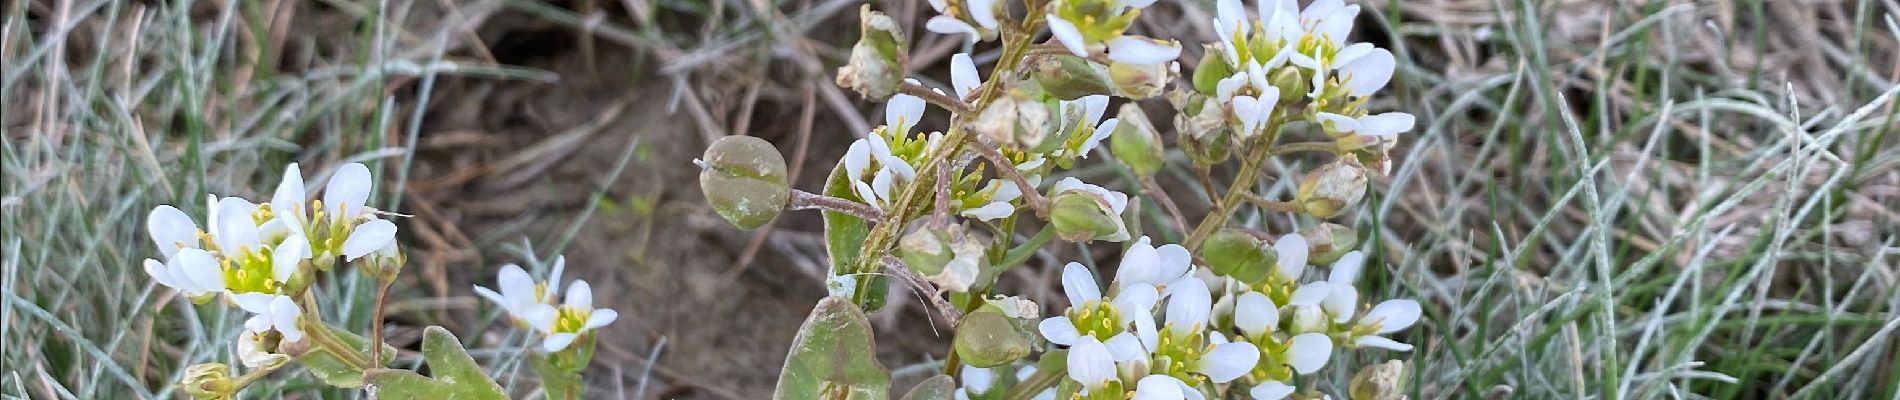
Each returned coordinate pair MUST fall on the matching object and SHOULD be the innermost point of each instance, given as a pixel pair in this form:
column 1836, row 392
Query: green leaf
column 940, row 387
column 332, row 370
column 833, row 357
column 844, row 238
column 456, row 375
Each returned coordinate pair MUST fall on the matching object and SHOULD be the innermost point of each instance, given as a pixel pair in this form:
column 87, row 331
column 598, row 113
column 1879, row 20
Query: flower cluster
column 258, row 255
column 532, row 304
column 1298, row 326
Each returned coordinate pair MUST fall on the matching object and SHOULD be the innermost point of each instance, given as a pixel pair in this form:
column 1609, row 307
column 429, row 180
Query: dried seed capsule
column 1135, row 142
column 1329, row 241
column 743, row 177
column 1383, row 381
column 1332, row 188
column 876, row 67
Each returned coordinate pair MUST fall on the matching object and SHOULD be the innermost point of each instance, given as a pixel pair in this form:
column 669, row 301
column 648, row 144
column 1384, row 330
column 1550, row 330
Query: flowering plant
column 1228, row 312
column 263, row 258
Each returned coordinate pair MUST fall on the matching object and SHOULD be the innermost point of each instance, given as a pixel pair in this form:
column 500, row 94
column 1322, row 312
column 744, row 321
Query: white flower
column 1386, row 124
column 901, row 114
column 348, row 192
column 574, row 317
column 1163, row 387
column 1066, row 32
column 976, row 381
column 345, row 200
column 1228, row 361
column 271, row 312
column 1162, row 266
column 963, row 75
column 1131, row 305
column 1090, row 363
column 1329, row 19
column 1387, row 317
column 520, row 293
column 1308, row 316
column 1001, row 194
column 1307, row 352
column 250, row 350
column 1342, row 298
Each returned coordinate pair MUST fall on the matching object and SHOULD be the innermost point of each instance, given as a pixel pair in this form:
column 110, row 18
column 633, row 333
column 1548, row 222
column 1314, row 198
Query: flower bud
column 1068, row 77
column 208, row 381
column 1080, row 217
column 987, row 339
column 1329, row 190
column 1212, row 68
column 1136, row 143
column 1239, row 255
column 1292, row 86
column 743, row 177
column 1329, row 241
column 1141, row 81
column 876, row 67
column 1383, row 381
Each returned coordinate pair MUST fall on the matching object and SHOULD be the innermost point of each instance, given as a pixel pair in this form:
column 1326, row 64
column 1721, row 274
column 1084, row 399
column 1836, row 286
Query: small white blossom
column 1291, row 254
column 271, row 312
column 520, row 292
column 1387, row 317
column 567, row 322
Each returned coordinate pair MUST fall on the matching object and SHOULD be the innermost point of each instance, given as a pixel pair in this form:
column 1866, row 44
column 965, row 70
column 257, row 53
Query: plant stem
column 1282, row 206
column 320, row 335
column 934, row 97
column 803, row 200
column 1008, row 170
column 376, row 322
column 1314, row 147
column 1154, row 191
column 1243, row 184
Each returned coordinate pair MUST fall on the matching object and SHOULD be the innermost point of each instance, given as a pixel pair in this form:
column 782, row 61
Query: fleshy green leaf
column 940, row 387
column 844, row 238
column 332, row 370
column 456, row 375
column 833, row 358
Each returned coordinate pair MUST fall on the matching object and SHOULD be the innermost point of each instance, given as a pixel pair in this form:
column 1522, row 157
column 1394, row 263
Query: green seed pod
column 1383, row 381
column 1202, row 124
column 1239, row 255
column 1327, row 242
column 1068, row 77
column 1136, row 143
column 1211, row 70
column 1081, row 217
column 1329, row 190
column 924, row 250
column 1292, row 85
column 987, row 339
column 876, row 67
column 743, row 178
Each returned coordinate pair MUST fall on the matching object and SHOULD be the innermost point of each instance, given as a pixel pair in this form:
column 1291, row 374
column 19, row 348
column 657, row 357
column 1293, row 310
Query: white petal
column 171, row 229
column 202, row 270
column 978, row 380
column 235, row 229
column 1342, row 302
column 1308, row 352
column 984, row 12
column 1079, row 285
column 1230, row 15
column 1134, row 50
column 368, row 238
column 579, row 295
column 159, row 273
column 1321, row 8
column 990, row 211
column 952, row 26
column 1369, row 73
column 1090, row 363
column 1346, row 269
column 514, row 281
column 1270, row 390
column 1352, row 52
column 1224, row 89
column 1146, row 331
column 1310, row 294
column 1125, row 347
column 1336, row 122
column 963, row 74
column 939, row 5
column 1252, row 113
column 1336, row 25
column 257, row 323
column 557, row 342
column 1189, row 306
column 254, row 302
column 1140, row 264
column 1158, row 387
column 1066, row 32
column 290, row 195
column 286, row 257
column 1393, row 315
column 881, row 184
column 867, row 194
column 490, row 294
column 1136, row 300
column 348, row 191
column 1093, row 107
column 284, row 314
column 1381, row 342
column 902, row 113
column 857, row 159
column 600, row 318
column 1058, row 330
column 1291, row 251
column 1229, row 361
column 541, row 317
column 1386, row 124
column 554, row 278
column 1256, row 315
column 1102, row 131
